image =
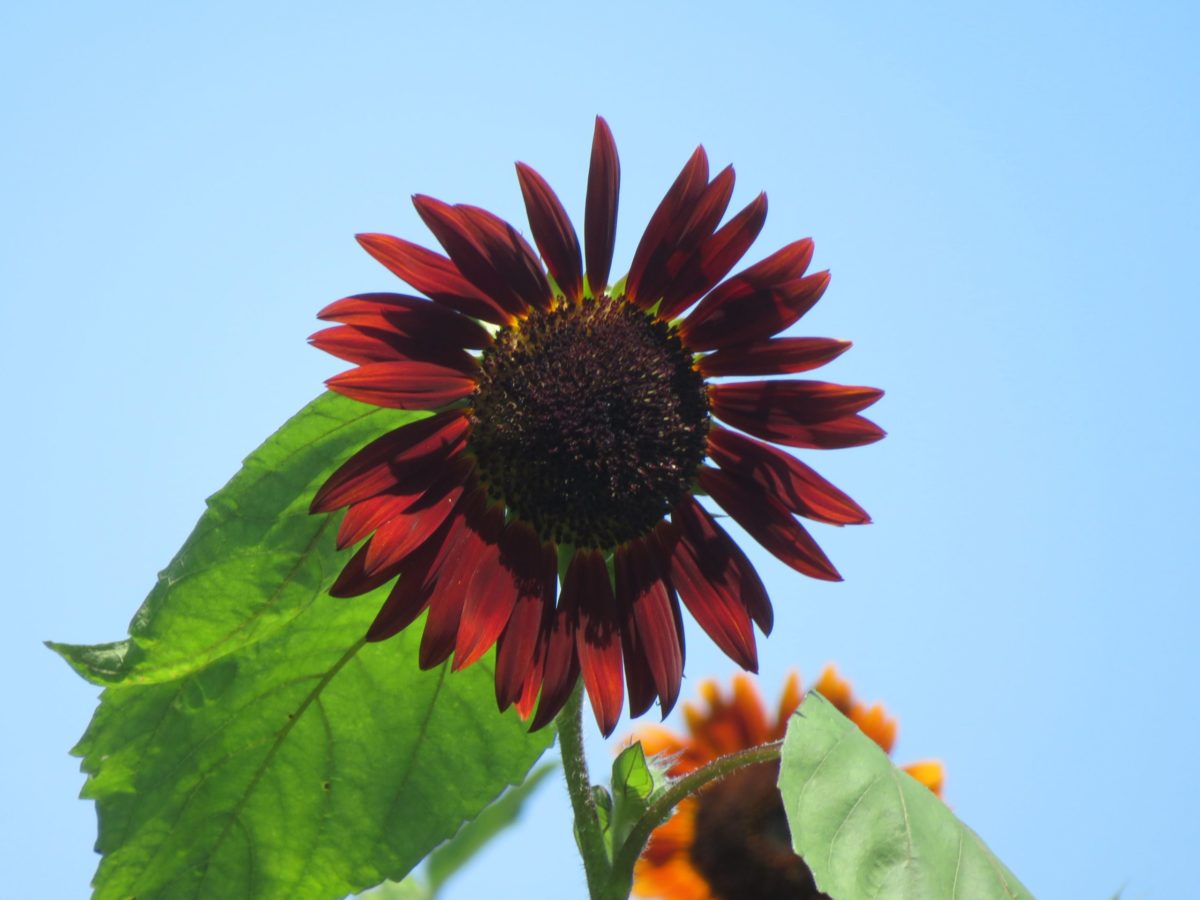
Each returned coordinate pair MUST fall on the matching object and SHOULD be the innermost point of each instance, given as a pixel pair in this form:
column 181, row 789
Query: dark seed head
column 741, row 843
column 589, row 421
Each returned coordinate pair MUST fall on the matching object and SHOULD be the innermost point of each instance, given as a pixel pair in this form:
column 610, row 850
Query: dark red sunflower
column 731, row 840
column 571, row 420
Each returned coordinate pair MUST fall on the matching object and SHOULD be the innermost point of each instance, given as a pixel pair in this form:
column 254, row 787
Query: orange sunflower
column 570, row 429
column 731, row 841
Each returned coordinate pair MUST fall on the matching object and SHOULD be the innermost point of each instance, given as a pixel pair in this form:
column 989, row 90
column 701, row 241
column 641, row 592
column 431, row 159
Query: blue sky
column 1007, row 196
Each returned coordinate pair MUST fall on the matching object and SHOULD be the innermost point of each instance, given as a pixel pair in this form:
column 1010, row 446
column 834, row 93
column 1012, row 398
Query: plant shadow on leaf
column 248, row 742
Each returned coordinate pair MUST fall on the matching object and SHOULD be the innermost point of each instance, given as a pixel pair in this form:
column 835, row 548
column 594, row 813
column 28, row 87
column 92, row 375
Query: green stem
column 579, row 786
column 660, row 810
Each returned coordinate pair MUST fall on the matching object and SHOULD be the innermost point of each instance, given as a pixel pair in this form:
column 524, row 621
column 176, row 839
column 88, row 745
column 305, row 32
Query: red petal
column 751, row 314
column 356, row 345
column 434, row 275
column 836, row 434
column 353, row 579
column 400, row 535
column 374, row 468
column 587, row 589
column 783, row 405
column 637, row 676
column 652, row 621
column 499, row 580
column 364, row 517
column 361, row 309
column 403, row 385
column 449, row 591
column 768, row 522
column 517, row 646
column 476, row 249
column 561, row 668
column 552, row 232
column 410, row 595
column 365, row 344
column 777, row 356
column 510, row 255
column 708, row 211
column 713, row 603
column 516, row 652
column 646, row 280
column 722, row 562
column 532, row 687
column 411, row 485
column 791, row 482
column 413, row 317
column 685, row 237
column 781, row 267
column 600, row 211
column 713, row 259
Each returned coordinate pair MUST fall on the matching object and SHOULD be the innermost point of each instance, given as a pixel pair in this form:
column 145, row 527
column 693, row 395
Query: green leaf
column 408, row 889
column 632, row 779
column 636, row 783
column 98, row 663
column 475, row 835
column 249, row 743
column 867, row 829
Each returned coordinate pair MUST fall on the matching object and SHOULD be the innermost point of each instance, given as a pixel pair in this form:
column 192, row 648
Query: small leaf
column 475, row 835
column 635, row 784
column 99, row 663
column 867, row 829
column 632, row 780
column 249, row 742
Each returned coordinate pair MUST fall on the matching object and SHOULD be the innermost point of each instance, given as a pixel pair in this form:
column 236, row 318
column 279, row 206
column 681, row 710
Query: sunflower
column 731, row 840
column 571, row 420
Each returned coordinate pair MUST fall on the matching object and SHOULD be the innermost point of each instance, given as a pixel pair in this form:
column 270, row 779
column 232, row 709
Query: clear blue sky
column 1008, row 196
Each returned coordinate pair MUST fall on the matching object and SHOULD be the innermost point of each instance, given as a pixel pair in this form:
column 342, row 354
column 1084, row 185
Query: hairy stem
column 579, row 786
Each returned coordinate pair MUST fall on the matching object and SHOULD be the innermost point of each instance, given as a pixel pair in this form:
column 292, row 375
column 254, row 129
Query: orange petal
column 835, row 689
column 788, row 704
column 875, row 724
column 929, row 772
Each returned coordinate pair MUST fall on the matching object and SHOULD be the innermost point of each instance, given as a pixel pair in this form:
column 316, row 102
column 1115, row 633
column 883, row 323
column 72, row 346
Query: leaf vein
column 846, row 818
column 280, row 737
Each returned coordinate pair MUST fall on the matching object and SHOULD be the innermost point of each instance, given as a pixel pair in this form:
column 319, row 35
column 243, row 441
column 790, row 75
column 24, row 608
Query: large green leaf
column 867, row 829
column 248, row 743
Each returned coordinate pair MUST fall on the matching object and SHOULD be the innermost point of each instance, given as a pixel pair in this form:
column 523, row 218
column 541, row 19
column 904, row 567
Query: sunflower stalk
column 660, row 809
column 588, row 832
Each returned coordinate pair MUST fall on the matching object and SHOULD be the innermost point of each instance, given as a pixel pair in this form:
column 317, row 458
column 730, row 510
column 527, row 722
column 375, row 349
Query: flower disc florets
column 589, row 421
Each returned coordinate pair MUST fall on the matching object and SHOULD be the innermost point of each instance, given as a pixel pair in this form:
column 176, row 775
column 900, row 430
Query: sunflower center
column 742, row 846
column 589, row 421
